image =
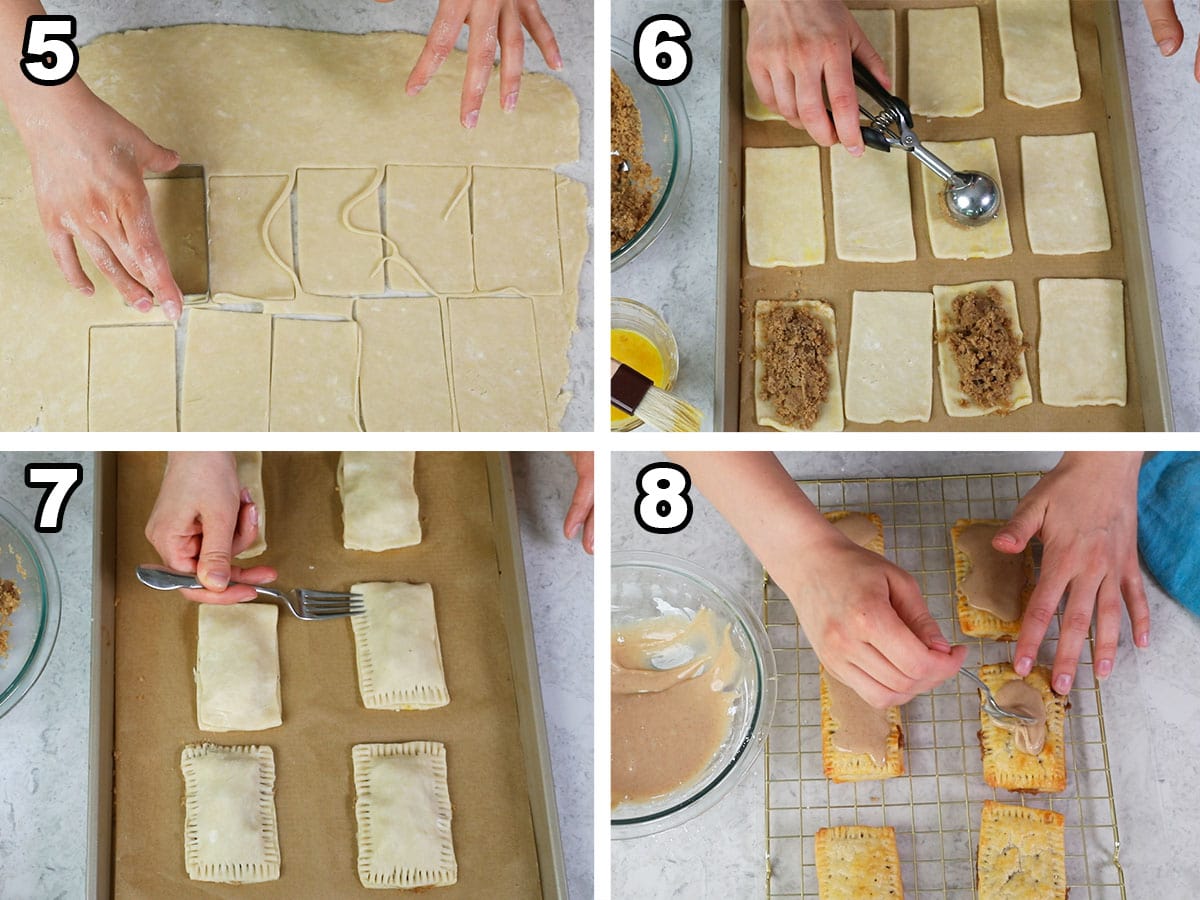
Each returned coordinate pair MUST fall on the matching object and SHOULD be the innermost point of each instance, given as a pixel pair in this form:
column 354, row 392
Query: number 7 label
column 60, row 479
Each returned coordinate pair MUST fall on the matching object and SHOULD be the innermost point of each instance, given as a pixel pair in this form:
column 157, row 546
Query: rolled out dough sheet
column 949, row 239
column 226, row 371
column 404, row 383
column 429, row 218
column 785, row 213
column 1065, row 210
column 1081, row 341
column 1040, row 66
column 872, row 206
column 515, row 222
column 889, row 369
column 956, row 402
column 177, row 205
column 131, row 379
column 945, row 62
column 334, row 260
column 830, row 417
column 249, row 473
column 314, row 375
column 495, row 366
column 240, row 264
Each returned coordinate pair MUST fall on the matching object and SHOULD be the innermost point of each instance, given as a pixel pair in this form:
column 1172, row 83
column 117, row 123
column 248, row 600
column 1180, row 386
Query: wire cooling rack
column 936, row 806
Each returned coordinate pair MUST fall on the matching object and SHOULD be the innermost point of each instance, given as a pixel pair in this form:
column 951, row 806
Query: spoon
column 994, row 709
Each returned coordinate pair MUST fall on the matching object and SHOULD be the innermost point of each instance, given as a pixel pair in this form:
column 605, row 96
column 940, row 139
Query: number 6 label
column 663, row 505
column 660, row 50
column 48, row 56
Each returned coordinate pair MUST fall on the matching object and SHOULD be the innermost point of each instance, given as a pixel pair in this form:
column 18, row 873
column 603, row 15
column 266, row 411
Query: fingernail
column 940, row 643
column 472, row 119
column 415, row 89
column 144, row 305
column 1143, row 639
column 510, row 102
column 573, row 532
column 1023, row 665
column 556, row 61
column 245, row 496
column 88, row 291
column 1062, row 684
column 1104, row 668
column 1167, row 46
column 173, row 310
column 254, row 514
column 855, row 151
column 220, row 580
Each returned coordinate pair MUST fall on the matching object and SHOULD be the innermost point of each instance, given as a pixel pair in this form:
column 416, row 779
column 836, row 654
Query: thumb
column 910, row 606
column 1164, row 24
column 216, row 546
column 1015, row 535
column 158, row 159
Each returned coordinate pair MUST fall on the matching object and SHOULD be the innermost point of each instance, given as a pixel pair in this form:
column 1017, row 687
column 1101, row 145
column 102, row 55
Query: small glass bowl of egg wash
column 644, row 342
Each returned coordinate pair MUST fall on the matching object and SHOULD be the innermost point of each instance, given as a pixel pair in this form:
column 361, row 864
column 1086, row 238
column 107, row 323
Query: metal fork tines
column 302, row 603
column 990, row 706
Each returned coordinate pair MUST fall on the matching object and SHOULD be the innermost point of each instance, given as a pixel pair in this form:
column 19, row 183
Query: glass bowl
column 629, row 315
column 25, row 560
column 645, row 585
column 667, row 137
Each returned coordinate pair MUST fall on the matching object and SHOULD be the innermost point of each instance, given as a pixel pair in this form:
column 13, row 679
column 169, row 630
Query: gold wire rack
column 936, row 806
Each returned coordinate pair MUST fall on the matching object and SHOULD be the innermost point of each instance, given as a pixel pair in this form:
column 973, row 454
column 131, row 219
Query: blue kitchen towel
column 1169, row 523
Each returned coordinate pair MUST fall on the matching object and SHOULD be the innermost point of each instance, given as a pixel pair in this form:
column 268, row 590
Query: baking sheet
column 1103, row 109
column 155, row 638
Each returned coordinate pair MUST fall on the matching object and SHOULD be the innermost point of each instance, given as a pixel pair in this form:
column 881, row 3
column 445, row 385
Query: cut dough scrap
column 872, row 207
column 515, row 224
column 404, row 816
column 949, row 239
column 226, row 371
column 249, row 473
column 241, row 265
column 1065, row 209
column 1081, row 342
column 177, row 205
column 380, row 508
column 1040, row 66
column 1022, row 854
column 404, row 382
column 858, row 862
column 1004, row 765
column 230, row 834
column 496, row 366
column 830, row 417
column 889, row 370
column 785, row 214
column 314, row 375
column 397, row 646
column 131, row 379
column 945, row 62
column 956, row 402
column 237, row 667
column 429, row 218
column 335, row 260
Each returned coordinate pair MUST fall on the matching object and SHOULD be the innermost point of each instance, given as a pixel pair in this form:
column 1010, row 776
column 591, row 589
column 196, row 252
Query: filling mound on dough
column 10, row 599
column 634, row 184
column 794, row 355
column 987, row 350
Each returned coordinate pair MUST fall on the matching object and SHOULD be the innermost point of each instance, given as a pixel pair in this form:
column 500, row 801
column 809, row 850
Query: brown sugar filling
column 796, row 347
column 10, row 599
column 633, row 190
column 985, row 347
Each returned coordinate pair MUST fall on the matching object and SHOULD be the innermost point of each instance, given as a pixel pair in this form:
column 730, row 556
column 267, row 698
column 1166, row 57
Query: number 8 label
column 663, row 505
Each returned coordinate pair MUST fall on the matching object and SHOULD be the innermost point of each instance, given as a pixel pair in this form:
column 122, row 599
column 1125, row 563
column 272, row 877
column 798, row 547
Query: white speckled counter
column 677, row 275
column 1152, row 712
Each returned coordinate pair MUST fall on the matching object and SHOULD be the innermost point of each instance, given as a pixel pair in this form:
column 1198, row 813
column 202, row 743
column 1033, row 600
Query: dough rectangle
column 515, row 224
column 314, row 375
column 131, row 378
column 249, row 473
column 858, row 862
column 973, row 621
column 404, row 816
column 226, row 371
column 237, row 667
column 405, row 385
column 177, row 205
column 1065, row 209
column 945, row 62
column 872, row 207
column 429, row 218
column 1022, row 853
column 830, row 417
column 947, row 238
column 241, row 264
column 1040, row 66
column 889, row 369
column 230, row 832
column 380, row 507
column 397, row 647
column 1004, row 766
column 785, row 213
column 842, row 766
column 1081, row 342
column 335, row 261
column 496, row 365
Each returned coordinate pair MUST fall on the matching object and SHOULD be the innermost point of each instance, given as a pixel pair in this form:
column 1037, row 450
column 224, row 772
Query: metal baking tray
column 1148, row 384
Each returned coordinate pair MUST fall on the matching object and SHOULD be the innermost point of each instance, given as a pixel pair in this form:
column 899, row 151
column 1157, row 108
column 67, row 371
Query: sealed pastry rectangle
column 1004, row 765
column 398, row 649
column 1017, row 570
column 830, row 417
column 865, row 529
column 858, row 862
column 380, row 509
column 237, row 667
column 230, row 833
column 249, row 473
column 843, row 766
column 404, row 816
column 1022, row 854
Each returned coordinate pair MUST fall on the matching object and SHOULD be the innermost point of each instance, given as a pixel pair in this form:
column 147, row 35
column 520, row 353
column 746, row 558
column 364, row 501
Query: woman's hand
column 581, row 513
column 202, row 519
column 1085, row 511
column 1167, row 30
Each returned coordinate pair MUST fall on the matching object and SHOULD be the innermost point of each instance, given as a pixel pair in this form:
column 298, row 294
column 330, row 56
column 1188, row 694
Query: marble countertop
column 1152, row 718
column 573, row 27
column 44, row 739
column 677, row 274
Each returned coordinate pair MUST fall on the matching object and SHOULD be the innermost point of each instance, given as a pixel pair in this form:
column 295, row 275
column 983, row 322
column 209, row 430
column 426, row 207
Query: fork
column 311, row 606
column 991, row 707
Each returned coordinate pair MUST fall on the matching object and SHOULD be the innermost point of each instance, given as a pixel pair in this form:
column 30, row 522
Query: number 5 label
column 48, row 56
column 61, row 479
column 660, row 50
column 663, row 505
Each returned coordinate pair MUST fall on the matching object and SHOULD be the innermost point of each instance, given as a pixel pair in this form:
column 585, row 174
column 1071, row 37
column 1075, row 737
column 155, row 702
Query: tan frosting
column 994, row 580
column 858, row 527
column 858, row 727
column 1019, row 697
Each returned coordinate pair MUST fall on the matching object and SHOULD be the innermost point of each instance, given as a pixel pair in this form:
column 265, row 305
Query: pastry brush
column 635, row 394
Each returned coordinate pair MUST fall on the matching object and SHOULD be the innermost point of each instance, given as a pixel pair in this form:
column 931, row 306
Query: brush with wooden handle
column 635, row 394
